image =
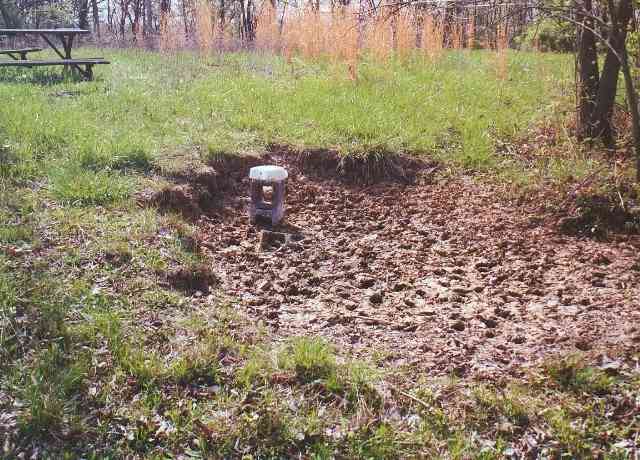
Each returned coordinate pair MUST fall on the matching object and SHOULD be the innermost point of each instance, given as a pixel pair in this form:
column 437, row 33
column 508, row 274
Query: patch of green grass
column 50, row 391
column 573, row 374
column 79, row 187
column 200, row 363
column 310, row 358
column 119, row 156
column 16, row 233
column 257, row 369
column 508, row 409
column 452, row 109
column 378, row 441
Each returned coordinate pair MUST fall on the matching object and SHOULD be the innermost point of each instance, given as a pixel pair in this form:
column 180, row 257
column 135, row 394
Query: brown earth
column 450, row 276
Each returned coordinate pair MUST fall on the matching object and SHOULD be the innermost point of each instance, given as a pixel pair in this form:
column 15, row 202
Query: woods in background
column 135, row 19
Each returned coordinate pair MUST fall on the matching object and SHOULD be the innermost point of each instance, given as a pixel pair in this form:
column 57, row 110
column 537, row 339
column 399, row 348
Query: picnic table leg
column 67, row 43
column 53, row 47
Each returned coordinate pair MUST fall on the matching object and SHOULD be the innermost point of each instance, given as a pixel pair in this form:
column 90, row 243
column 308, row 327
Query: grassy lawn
column 454, row 110
column 101, row 357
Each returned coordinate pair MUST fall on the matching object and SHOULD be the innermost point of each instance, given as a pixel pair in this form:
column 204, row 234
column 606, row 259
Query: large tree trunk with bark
column 632, row 100
column 588, row 77
column 83, row 14
column 96, row 17
column 9, row 15
column 135, row 22
column 608, row 85
column 148, row 18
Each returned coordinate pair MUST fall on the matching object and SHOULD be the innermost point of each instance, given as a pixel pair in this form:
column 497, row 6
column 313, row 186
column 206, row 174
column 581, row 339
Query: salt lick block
column 267, row 176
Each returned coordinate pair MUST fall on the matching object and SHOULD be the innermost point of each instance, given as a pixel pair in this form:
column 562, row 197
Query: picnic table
column 65, row 36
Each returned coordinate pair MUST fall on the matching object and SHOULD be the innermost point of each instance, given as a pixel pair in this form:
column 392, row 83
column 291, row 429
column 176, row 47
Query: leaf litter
column 447, row 275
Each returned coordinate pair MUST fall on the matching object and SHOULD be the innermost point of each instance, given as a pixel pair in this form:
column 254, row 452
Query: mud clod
column 192, row 279
column 178, row 198
column 207, row 177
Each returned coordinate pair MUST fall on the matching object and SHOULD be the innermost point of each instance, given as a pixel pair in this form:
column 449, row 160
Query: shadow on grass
column 38, row 76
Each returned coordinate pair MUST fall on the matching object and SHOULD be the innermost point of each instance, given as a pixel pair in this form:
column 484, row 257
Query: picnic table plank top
column 61, row 31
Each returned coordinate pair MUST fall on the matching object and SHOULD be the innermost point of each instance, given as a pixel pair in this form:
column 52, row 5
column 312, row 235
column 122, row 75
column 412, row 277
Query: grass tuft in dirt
column 367, row 168
column 574, row 374
column 311, row 359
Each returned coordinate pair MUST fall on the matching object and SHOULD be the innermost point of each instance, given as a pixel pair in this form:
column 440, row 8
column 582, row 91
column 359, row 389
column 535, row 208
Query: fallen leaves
column 406, row 266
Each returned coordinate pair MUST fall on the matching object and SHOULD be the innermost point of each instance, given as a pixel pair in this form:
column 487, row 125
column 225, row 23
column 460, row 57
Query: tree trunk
column 124, row 12
column 135, row 23
column 632, row 100
column 6, row 17
column 96, row 17
column 109, row 16
column 221, row 25
column 185, row 18
column 587, row 62
column 165, row 9
column 251, row 23
column 148, row 18
column 608, row 85
column 10, row 16
column 83, row 14
column 243, row 21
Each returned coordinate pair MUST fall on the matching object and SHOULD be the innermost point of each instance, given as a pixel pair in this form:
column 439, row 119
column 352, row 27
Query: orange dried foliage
column 172, row 36
column 205, row 26
column 341, row 35
column 432, row 37
column 471, row 32
column 267, row 28
column 502, row 44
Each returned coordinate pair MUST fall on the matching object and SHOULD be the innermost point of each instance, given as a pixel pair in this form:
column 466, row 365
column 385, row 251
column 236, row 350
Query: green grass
column 145, row 105
column 102, row 356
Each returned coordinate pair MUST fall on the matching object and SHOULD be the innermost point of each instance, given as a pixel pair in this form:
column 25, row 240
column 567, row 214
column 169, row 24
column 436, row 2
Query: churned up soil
column 448, row 275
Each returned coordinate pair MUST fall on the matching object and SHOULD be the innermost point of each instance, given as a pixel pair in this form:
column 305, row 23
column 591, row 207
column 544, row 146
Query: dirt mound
column 596, row 216
column 192, row 279
column 178, row 198
column 448, row 276
column 199, row 192
column 363, row 169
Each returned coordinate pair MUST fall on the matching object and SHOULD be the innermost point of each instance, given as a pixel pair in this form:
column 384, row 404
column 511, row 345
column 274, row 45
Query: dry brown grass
column 502, row 44
column 172, row 35
column 433, row 37
column 205, row 27
column 341, row 35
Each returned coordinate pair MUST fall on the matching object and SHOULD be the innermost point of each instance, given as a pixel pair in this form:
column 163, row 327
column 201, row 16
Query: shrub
column 549, row 35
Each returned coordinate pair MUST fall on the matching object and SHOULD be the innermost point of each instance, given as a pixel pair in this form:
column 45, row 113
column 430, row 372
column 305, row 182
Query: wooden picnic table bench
column 66, row 37
column 88, row 64
column 19, row 52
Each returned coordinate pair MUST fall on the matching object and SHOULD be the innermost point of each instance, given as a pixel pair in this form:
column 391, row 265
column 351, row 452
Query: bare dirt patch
column 449, row 276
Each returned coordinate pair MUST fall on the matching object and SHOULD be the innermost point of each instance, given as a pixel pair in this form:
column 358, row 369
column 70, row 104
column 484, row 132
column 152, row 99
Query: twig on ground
column 374, row 320
column 413, row 398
